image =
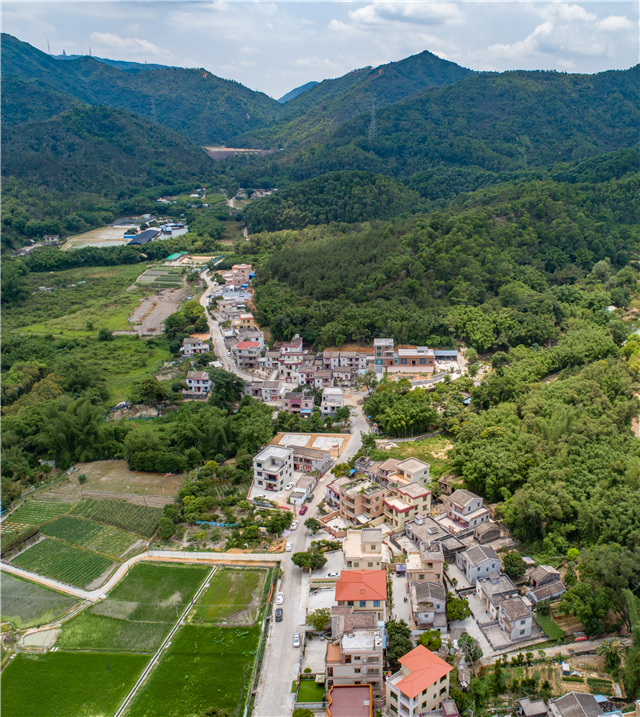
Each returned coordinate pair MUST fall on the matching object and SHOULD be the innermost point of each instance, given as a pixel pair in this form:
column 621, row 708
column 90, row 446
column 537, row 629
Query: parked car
column 294, row 525
column 279, row 614
column 279, row 598
column 309, row 498
column 296, row 640
column 332, row 575
column 288, row 547
column 304, row 509
column 289, row 486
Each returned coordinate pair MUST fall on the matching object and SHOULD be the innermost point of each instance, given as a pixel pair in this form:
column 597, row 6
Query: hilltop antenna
column 90, row 55
column 48, row 47
column 372, row 127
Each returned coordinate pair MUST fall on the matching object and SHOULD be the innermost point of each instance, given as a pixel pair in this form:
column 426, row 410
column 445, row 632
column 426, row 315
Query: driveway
column 401, row 609
column 457, row 627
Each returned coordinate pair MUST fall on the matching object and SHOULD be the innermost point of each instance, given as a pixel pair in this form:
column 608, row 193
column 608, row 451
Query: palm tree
column 611, row 650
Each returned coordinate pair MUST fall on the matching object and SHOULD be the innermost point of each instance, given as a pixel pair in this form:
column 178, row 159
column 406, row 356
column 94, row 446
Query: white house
column 273, row 468
column 478, row 562
column 332, row 400
column 198, row 384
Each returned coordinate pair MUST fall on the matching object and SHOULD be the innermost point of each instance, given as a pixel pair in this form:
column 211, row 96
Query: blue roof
column 445, row 353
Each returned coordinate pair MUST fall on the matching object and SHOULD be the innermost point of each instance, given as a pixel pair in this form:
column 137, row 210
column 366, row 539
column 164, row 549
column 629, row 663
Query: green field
column 549, row 626
column 128, row 516
column 35, row 512
column 62, row 684
column 204, row 667
column 139, row 611
column 26, row 604
column 63, row 562
column 231, row 593
column 87, row 534
column 88, row 631
column 311, row 691
column 432, row 450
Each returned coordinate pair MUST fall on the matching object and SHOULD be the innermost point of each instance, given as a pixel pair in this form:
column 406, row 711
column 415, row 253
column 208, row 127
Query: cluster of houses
column 274, row 466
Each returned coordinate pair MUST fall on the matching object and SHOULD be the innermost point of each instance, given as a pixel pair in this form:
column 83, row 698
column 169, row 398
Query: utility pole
column 48, row 48
column 372, row 127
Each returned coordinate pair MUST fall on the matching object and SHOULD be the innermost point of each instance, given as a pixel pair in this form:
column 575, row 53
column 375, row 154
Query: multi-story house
column 493, row 590
column 244, row 320
column 332, row 400
column 292, row 347
column 364, row 549
column 466, row 510
column 271, row 391
column 425, row 564
column 270, row 360
column 361, row 500
column 333, row 491
column 297, row 403
column 289, row 364
column 250, row 335
column 306, row 373
column 428, row 606
column 515, row 618
column 331, row 359
column 404, row 503
column 418, row 358
column 383, row 353
column 323, row 378
column 191, row 347
column 478, row 562
column 247, row 354
column 273, row 468
column 386, row 470
column 356, row 659
column 311, row 460
column 253, row 389
column 420, row 685
column 198, row 384
column 242, row 272
column 411, row 469
column 363, row 590
column 354, row 360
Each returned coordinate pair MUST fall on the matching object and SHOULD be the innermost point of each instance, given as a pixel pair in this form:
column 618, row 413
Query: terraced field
column 87, row 534
column 35, row 512
column 63, row 562
column 128, row 516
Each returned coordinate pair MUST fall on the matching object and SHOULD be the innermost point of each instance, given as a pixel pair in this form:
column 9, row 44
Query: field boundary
column 155, row 660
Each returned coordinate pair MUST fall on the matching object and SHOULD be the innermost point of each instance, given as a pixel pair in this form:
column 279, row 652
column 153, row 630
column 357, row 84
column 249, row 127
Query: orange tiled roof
column 426, row 669
column 362, row 585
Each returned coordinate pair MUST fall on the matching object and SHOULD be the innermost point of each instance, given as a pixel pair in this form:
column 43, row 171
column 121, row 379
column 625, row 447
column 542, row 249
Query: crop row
column 63, row 562
column 87, row 534
column 128, row 516
column 35, row 512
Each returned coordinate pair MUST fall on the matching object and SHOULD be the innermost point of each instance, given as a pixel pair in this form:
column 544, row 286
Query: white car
column 332, row 575
column 296, row 640
column 289, row 486
column 279, row 598
column 294, row 525
column 288, row 547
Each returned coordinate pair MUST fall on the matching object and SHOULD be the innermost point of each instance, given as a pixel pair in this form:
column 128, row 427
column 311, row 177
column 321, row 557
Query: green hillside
column 506, row 122
column 31, row 101
column 196, row 103
column 324, row 107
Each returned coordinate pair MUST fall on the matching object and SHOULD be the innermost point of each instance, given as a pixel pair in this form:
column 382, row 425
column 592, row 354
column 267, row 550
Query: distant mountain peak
column 297, row 91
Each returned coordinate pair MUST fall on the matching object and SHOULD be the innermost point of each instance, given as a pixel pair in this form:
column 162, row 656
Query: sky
column 274, row 47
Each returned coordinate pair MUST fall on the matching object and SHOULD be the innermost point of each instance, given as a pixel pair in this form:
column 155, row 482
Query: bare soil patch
column 114, row 476
column 148, row 318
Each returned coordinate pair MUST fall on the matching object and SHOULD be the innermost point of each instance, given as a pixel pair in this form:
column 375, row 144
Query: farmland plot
column 87, row 534
column 128, row 516
column 27, row 604
column 35, row 512
column 88, row 631
column 234, row 596
column 63, row 562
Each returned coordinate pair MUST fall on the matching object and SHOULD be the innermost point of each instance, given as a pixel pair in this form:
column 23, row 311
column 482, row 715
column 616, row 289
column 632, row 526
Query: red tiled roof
column 426, row 669
column 247, row 345
column 362, row 585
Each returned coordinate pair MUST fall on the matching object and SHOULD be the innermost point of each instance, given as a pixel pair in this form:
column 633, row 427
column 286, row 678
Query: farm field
column 93, row 536
column 63, row 562
column 128, row 516
column 234, row 597
column 68, row 684
column 88, row 631
column 549, row 626
column 114, row 476
column 204, row 667
column 161, row 278
column 35, row 512
column 26, row 604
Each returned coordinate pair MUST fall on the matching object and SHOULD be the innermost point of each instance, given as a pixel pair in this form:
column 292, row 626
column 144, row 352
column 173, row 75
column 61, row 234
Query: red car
column 303, row 510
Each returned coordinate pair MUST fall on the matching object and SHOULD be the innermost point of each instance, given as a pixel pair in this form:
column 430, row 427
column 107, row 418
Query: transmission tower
column 372, row 127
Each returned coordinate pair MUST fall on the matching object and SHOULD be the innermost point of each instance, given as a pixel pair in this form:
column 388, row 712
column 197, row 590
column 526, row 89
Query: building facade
column 273, row 468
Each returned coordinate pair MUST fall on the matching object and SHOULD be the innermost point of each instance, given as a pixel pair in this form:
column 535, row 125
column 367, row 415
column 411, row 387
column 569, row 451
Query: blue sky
column 276, row 46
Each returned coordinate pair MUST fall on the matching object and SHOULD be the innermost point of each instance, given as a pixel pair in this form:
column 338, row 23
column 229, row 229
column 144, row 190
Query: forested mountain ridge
column 506, row 122
column 323, row 108
column 199, row 105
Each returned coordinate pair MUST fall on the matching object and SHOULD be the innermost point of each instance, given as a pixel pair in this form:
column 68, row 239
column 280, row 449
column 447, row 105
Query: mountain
column 297, row 91
column 120, row 64
column 195, row 103
column 99, row 150
column 323, row 108
column 30, row 101
column 505, row 122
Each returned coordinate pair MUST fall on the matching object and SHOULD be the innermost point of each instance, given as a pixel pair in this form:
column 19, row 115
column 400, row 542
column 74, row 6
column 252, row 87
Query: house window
column 393, row 708
column 443, row 690
column 394, row 696
column 522, row 632
column 363, row 603
column 356, row 671
column 376, row 603
column 349, row 603
column 370, row 565
column 442, row 679
column 421, row 576
column 356, row 565
column 424, row 705
column 403, row 362
column 522, row 622
column 423, row 362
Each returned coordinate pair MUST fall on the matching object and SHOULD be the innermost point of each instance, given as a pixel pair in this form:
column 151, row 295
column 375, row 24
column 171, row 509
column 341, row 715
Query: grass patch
column 430, row 450
column 62, row 684
column 231, row 591
column 128, row 516
column 597, row 686
column 36, row 512
column 97, row 632
column 549, row 626
column 25, row 604
column 87, row 534
column 204, row 667
column 63, row 562
column 310, row 691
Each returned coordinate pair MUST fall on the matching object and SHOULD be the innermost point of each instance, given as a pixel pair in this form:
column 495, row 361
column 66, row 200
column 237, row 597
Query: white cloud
column 563, row 11
column 615, row 23
column 407, row 13
column 248, row 63
column 249, row 50
column 134, row 44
